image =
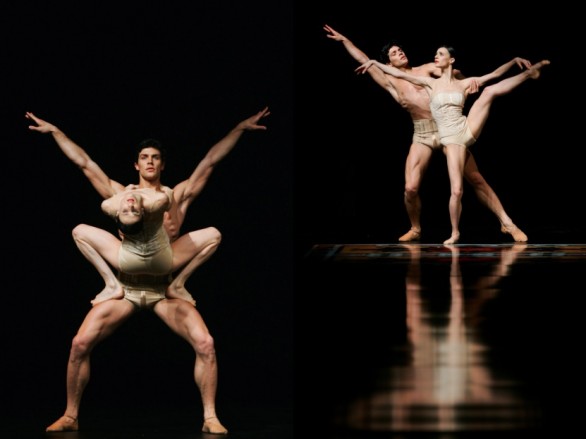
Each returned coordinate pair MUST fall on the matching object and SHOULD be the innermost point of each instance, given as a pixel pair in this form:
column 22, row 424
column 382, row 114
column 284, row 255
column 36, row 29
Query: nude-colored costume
column 148, row 251
column 425, row 132
column 446, row 108
column 146, row 260
column 144, row 291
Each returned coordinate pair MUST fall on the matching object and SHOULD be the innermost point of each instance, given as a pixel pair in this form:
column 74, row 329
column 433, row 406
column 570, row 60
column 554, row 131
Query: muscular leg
column 481, row 107
column 415, row 167
column 456, row 156
column 194, row 249
column 99, row 323
column 96, row 245
column 184, row 320
column 488, row 197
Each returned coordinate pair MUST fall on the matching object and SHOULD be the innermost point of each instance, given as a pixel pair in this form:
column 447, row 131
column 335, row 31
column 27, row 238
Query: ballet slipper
column 515, row 232
column 64, row 423
column 212, row 425
column 411, row 235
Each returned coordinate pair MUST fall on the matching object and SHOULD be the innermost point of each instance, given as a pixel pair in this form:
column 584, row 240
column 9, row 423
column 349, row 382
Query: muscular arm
column 358, row 55
column 186, row 191
column 97, row 177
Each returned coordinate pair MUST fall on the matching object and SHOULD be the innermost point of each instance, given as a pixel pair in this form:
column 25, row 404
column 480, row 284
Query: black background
column 110, row 75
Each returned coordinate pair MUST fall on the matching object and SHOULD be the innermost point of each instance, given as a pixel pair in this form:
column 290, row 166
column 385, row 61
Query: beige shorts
column 144, row 291
column 425, row 133
column 463, row 138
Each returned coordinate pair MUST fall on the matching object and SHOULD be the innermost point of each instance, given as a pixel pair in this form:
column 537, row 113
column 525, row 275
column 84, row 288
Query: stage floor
column 409, row 251
column 469, row 340
column 164, row 421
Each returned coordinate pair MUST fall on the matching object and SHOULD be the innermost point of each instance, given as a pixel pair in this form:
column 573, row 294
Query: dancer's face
column 443, row 58
column 397, row 57
column 149, row 164
column 130, row 210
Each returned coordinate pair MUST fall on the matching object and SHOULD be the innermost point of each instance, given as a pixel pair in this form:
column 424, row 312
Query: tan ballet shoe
column 411, row 235
column 212, row 425
column 64, row 423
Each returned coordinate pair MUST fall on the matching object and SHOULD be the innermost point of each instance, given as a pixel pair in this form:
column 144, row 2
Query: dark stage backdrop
column 110, row 76
column 354, row 139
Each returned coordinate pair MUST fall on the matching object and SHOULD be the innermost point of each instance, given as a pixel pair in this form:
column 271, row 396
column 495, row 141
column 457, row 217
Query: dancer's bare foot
column 64, row 423
column 535, row 69
column 515, row 232
column 411, row 235
column 213, row 425
column 174, row 292
column 453, row 239
column 109, row 293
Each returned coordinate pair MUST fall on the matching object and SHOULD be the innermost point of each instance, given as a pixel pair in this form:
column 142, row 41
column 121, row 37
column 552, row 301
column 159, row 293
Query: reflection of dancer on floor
column 485, row 287
column 415, row 100
column 447, row 97
column 446, row 370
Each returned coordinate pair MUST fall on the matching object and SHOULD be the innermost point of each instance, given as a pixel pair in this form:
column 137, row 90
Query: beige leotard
column 452, row 125
column 148, row 251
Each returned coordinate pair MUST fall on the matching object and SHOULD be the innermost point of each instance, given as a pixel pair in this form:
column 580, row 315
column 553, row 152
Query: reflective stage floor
column 160, row 421
column 469, row 340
